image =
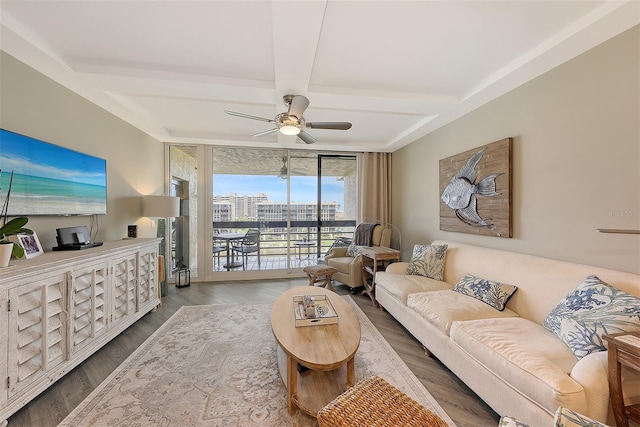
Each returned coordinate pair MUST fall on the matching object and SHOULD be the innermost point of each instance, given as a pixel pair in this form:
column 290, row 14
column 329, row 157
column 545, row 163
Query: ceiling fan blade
column 247, row 116
column 308, row 139
column 266, row 132
column 329, row 125
column 298, row 104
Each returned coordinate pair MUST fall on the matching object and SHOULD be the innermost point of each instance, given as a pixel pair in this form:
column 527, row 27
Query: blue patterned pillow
column 493, row 293
column 511, row 422
column 592, row 309
column 354, row 250
column 567, row 418
column 428, row 261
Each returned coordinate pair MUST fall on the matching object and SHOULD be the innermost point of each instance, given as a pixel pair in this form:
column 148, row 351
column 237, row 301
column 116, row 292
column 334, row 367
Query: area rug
column 216, row 365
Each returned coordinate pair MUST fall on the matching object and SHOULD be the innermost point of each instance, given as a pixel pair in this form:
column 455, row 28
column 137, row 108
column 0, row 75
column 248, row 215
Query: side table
column 624, row 349
column 304, row 243
column 374, row 259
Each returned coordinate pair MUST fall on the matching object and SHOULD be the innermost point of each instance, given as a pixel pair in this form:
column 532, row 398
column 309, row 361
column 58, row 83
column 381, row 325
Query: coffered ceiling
column 397, row 70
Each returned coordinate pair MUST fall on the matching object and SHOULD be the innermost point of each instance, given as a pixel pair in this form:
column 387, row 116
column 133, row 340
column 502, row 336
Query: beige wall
column 576, row 162
column 34, row 105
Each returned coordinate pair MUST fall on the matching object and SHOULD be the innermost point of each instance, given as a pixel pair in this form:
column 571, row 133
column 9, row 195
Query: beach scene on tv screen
column 49, row 179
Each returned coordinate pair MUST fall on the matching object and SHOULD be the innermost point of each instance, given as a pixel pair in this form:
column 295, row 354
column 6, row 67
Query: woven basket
column 374, row 402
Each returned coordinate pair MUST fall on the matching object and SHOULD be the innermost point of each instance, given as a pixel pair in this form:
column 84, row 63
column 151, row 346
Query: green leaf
column 15, row 226
column 17, row 251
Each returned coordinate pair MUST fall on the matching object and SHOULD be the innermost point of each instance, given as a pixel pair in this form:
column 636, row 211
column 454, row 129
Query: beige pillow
column 428, row 261
column 376, row 236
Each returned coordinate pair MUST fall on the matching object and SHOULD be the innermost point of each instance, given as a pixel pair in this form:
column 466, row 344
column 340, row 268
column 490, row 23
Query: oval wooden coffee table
column 327, row 350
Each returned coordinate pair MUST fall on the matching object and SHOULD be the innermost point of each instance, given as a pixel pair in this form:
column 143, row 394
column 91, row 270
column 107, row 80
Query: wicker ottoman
column 374, row 402
column 320, row 274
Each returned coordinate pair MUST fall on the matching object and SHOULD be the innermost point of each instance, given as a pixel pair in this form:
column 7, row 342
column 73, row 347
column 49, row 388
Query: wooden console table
column 374, row 259
column 624, row 349
column 60, row 308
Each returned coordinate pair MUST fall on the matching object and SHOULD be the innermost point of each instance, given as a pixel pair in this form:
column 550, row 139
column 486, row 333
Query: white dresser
column 61, row 307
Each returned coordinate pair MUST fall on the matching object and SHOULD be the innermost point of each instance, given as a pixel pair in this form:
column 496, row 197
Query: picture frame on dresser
column 30, row 244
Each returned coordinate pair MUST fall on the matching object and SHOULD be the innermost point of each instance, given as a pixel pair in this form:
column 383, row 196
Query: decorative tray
column 313, row 310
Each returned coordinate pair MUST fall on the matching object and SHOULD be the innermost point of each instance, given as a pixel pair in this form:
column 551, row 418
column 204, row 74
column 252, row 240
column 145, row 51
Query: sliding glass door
column 250, row 194
column 263, row 212
column 338, row 199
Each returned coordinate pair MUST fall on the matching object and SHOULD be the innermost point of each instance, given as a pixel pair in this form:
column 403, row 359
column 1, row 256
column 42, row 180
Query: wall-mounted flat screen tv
column 50, row 180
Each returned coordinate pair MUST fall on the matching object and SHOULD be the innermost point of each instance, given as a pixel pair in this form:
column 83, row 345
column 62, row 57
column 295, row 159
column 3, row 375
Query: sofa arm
column 397, row 268
column 355, row 272
column 591, row 373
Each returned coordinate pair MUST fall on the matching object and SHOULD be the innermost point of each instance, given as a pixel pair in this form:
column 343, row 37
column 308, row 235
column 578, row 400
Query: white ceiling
column 396, row 69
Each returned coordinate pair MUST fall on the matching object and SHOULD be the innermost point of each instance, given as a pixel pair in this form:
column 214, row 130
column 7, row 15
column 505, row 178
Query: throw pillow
column 339, row 243
column 592, row 309
column 354, row 250
column 567, row 418
column 492, row 293
column 511, row 422
column 428, row 260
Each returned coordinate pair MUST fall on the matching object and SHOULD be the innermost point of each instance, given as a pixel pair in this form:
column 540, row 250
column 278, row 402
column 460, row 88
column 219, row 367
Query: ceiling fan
column 284, row 170
column 292, row 122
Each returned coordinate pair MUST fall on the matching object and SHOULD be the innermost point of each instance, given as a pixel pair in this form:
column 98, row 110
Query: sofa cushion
column 489, row 292
column 442, row 308
column 525, row 355
column 401, row 285
column 428, row 261
column 593, row 308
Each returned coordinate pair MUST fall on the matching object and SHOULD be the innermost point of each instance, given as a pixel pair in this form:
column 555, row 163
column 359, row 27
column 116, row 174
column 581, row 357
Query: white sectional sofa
column 516, row 365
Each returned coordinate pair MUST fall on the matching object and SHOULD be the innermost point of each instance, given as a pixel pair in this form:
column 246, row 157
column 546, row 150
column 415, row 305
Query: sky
column 303, row 188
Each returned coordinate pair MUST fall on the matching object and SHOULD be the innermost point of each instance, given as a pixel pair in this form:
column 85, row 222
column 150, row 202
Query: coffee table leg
column 292, row 384
column 351, row 372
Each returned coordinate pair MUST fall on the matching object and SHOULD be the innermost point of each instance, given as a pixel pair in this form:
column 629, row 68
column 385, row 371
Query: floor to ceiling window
column 274, row 192
column 264, row 212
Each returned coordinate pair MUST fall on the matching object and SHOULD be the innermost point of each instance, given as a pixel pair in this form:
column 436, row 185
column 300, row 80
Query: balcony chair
column 249, row 244
column 350, row 267
column 218, row 247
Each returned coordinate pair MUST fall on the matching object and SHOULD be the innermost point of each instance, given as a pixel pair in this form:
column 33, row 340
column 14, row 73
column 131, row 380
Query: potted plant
column 10, row 228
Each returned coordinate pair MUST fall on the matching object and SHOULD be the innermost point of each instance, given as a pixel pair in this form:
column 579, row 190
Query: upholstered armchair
column 350, row 267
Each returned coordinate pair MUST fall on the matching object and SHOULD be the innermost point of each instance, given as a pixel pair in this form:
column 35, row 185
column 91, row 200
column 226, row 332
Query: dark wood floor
column 48, row 409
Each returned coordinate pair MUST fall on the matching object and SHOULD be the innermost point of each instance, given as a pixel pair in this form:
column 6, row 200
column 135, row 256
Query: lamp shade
column 160, row 206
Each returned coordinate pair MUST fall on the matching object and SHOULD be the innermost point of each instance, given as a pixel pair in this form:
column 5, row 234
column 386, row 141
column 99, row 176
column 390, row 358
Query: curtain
column 374, row 187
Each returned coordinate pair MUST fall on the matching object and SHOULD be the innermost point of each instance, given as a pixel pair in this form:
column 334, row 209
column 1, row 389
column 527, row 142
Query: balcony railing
column 278, row 241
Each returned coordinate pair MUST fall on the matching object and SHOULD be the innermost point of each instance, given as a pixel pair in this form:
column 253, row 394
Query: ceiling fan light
column 289, row 130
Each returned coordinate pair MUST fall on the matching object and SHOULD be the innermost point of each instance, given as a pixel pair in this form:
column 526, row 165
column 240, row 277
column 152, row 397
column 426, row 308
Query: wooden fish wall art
column 475, row 190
